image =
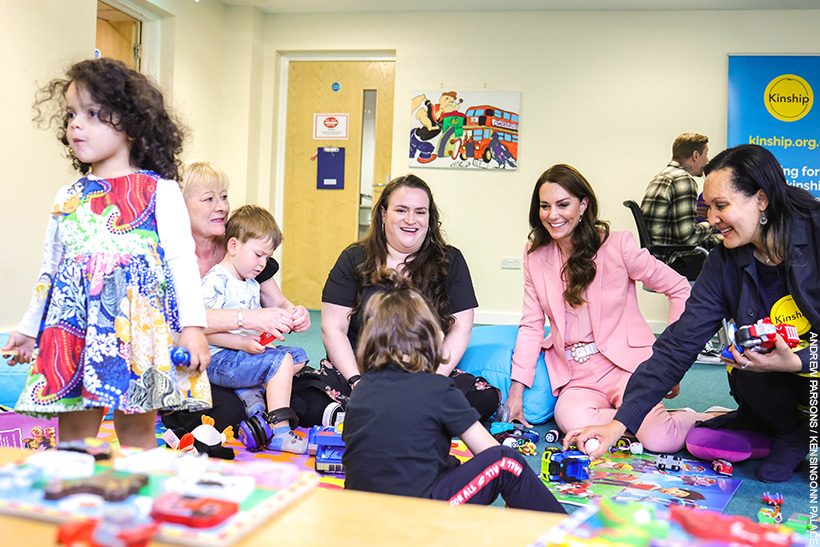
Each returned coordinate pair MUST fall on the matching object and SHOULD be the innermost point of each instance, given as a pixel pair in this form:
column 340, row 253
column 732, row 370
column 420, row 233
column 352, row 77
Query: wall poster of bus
column 464, row 129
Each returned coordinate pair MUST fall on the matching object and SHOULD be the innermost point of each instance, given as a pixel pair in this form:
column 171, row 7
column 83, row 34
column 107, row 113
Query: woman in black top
column 405, row 235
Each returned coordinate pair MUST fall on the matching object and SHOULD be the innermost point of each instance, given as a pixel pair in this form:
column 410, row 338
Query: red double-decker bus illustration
column 490, row 134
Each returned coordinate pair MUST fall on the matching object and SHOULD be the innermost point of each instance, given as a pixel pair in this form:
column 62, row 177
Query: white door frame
column 151, row 18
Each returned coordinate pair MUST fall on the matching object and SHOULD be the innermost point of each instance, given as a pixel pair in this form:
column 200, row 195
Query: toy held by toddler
column 402, row 415
column 238, row 358
column 117, row 290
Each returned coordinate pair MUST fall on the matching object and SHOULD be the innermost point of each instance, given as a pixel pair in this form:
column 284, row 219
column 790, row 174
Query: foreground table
column 346, row 518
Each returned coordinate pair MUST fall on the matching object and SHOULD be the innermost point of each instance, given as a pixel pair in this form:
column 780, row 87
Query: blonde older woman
column 205, row 189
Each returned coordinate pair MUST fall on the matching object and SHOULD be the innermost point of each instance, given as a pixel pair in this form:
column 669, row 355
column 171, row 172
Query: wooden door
column 319, row 224
column 118, row 35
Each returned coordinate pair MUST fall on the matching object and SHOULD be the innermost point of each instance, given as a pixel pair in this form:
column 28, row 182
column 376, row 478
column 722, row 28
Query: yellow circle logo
column 788, row 97
column 786, row 311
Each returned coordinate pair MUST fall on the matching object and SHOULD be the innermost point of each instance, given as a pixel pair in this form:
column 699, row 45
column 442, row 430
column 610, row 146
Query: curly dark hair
column 589, row 234
column 399, row 328
column 426, row 268
column 129, row 102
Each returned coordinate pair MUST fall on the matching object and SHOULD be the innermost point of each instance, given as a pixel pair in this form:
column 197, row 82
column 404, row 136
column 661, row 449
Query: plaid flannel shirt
column 670, row 210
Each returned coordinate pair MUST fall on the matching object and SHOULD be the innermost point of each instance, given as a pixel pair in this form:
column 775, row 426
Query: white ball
column 591, row 445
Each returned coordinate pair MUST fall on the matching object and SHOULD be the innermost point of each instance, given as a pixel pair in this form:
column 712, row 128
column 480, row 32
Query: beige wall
column 604, row 91
column 210, row 67
column 36, row 43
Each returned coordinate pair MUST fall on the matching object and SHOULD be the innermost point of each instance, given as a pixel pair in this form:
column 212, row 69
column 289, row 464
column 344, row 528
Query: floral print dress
column 110, row 316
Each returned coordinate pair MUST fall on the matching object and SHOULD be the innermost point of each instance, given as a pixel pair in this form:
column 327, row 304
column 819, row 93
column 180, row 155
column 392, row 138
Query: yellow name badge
column 785, row 310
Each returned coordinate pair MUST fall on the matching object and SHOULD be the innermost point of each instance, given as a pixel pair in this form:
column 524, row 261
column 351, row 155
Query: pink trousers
column 595, row 392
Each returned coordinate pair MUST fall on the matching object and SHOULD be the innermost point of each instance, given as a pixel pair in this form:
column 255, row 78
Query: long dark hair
column 589, row 234
column 426, row 268
column 128, row 102
column 754, row 168
column 399, row 328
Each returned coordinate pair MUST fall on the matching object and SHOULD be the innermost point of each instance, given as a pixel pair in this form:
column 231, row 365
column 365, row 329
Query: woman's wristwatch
column 353, row 379
column 239, row 320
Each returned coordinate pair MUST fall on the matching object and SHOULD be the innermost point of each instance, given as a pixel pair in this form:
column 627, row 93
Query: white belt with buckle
column 581, row 352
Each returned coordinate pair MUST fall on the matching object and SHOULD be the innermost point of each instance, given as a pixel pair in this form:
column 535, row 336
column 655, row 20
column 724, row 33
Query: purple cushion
column 735, row 446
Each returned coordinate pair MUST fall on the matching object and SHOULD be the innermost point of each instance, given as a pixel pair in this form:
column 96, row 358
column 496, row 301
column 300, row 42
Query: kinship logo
column 785, row 310
column 788, row 97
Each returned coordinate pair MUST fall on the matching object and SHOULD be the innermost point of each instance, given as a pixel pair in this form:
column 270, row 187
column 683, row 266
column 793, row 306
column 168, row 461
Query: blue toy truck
column 327, row 444
column 564, row 465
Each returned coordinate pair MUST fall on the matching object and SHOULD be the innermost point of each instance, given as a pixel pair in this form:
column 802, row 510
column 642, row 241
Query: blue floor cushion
column 490, row 355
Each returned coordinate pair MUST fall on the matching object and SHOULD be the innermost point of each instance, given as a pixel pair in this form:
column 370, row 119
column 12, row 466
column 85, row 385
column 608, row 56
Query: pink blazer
column 620, row 331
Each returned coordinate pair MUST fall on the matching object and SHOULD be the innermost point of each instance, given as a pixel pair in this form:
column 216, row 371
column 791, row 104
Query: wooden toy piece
column 121, row 528
column 111, row 485
column 192, row 511
column 41, row 437
column 9, row 352
column 101, row 450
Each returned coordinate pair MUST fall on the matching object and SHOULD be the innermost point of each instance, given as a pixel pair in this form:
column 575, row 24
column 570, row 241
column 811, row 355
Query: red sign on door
column 330, row 126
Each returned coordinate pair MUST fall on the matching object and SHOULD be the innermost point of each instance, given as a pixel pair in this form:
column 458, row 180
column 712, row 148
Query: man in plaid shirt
column 670, row 206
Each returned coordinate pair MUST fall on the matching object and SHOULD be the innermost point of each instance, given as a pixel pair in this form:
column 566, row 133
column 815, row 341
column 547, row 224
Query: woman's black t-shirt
column 342, row 286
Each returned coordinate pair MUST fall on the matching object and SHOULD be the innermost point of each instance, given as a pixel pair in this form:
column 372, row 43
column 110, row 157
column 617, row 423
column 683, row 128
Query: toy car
column 329, row 450
column 632, row 448
column 767, row 515
column 552, row 436
column 666, row 461
column 564, row 465
column 521, row 437
column 759, row 337
column 773, row 499
column 527, row 448
column 622, row 443
column 724, row 467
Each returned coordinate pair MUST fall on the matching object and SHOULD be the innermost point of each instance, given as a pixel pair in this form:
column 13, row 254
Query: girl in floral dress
column 119, row 285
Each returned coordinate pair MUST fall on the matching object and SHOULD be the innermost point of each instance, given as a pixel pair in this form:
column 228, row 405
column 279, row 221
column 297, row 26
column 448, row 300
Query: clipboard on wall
column 330, row 168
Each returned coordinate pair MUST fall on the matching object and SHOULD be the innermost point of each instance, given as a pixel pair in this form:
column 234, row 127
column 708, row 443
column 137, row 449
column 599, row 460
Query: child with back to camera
column 238, row 358
column 119, row 275
column 402, row 415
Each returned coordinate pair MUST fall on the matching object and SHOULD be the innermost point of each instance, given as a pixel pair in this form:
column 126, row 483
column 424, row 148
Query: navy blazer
column 726, row 288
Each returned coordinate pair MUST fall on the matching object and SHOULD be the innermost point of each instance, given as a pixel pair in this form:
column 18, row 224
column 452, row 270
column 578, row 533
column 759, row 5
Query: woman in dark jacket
column 768, row 266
